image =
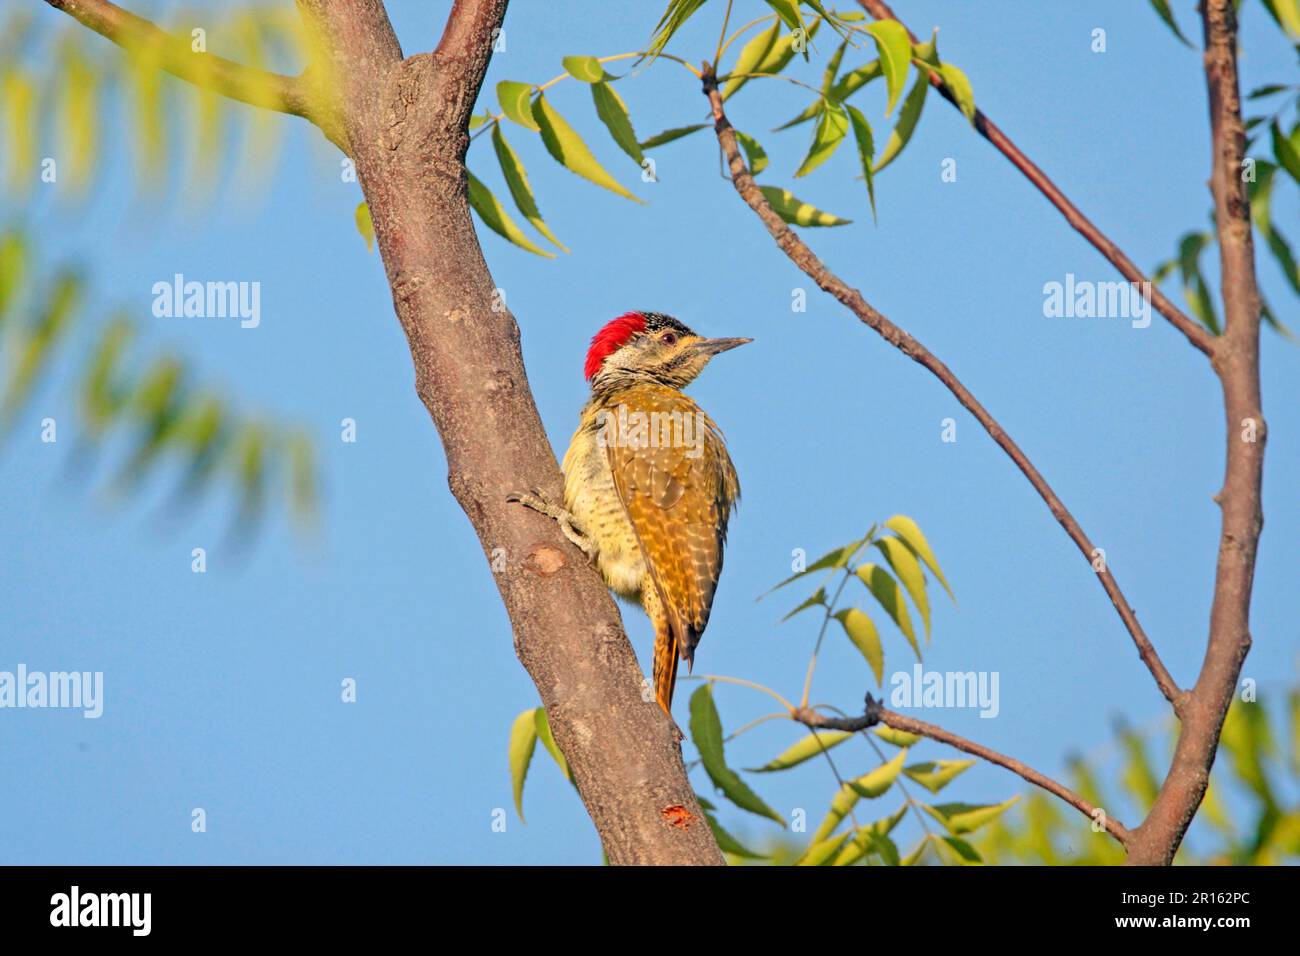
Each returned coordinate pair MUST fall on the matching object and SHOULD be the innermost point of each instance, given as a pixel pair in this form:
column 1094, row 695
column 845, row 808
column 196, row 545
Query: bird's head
column 649, row 347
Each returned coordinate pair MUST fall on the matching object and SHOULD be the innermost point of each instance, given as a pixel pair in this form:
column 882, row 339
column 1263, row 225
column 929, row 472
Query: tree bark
column 1236, row 361
column 405, row 122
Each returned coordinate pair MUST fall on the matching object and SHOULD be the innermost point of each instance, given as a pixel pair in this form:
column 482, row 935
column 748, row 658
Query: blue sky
column 222, row 689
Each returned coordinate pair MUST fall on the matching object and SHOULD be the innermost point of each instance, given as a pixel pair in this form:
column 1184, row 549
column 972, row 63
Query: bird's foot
column 569, row 525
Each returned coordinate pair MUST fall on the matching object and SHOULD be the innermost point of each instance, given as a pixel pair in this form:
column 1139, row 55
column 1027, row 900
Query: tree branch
column 875, row 713
column 406, row 126
column 1236, row 360
column 273, row 91
column 1195, row 333
column 803, row 257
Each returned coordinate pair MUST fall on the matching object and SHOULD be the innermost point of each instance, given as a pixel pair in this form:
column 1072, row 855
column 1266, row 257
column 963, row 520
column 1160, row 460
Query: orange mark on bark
column 678, row 816
column 544, row 560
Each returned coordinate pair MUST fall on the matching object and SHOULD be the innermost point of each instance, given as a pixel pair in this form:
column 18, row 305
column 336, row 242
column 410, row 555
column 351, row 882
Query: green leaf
column 706, row 734
column 869, row 785
column 885, row 589
column 1288, row 15
column 523, row 741
column 515, row 100
column 365, row 227
column 928, row 52
column 862, row 632
column 1195, row 289
column 36, row 346
column 543, row 725
column 1162, row 9
column 895, row 48
column 967, row 853
column 13, row 270
column 728, row 843
column 495, row 217
column 811, row 746
column 854, row 80
column 835, row 558
column 822, row 851
column 818, row 599
column 796, row 211
column 959, row 86
column 789, row 12
column 831, row 130
column 755, row 155
column 613, row 113
column 910, row 532
column 866, row 151
column 678, row 12
column 935, row 775
column 899, row 738
column 917, row 853
column 776, row 59
column 962, row 818
column 752, row 55
column 874, row 838
column 668, row 135
column 908, row 570
column 568, row 149
column 908, row 117
column 585, row 69
column 517, row 180
column 1285, row 152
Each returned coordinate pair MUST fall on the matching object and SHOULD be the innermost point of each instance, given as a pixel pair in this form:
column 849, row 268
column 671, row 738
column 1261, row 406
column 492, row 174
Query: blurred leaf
column 910, row 532
column 862, row 632
column 1247, row 741
column 13, row 270
column 102, row 396
column 36, row 347
column 917, row 853
column 523, row 741
column 728, row 843
column 811, row 746
column 613, row 113
column 873, row 838
column 895, row 48
column 1138, row 776
column 822, row 851
column 520, row 190
column 495, row 217
column 568, row 149
column 514, row 98
column 935, row 775
column 1285, row 152
column 18, row 102
column 796, row 212
column 706, row 734
column 78, row 116
column 907, row 120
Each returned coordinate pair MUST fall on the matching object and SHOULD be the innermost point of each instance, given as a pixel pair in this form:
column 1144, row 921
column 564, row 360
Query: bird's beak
column 713, row 347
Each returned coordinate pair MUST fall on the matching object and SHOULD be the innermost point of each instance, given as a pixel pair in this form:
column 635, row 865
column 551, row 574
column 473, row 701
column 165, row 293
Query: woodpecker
column 648, row 484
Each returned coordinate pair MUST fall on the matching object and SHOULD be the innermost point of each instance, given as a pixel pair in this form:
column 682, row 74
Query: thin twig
column 876, row 714
column 1196, row 334
column 803, row 257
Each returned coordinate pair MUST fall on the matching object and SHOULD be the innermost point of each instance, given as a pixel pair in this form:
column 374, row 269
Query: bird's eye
column 668, row 338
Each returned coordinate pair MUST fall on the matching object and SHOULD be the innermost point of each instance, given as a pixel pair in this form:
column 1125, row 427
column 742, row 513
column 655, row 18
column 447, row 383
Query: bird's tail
column 665, row 667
